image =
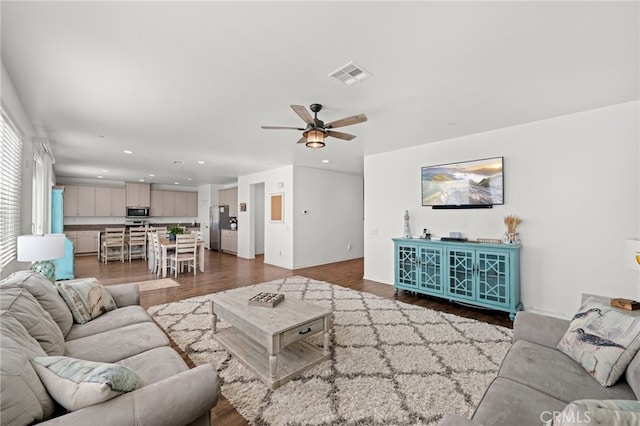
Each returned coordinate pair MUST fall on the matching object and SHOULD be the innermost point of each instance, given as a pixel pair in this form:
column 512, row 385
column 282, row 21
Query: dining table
column 167, row 244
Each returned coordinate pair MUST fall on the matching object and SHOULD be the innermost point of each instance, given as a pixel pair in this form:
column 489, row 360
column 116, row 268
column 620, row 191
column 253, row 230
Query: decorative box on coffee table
column 270, row 341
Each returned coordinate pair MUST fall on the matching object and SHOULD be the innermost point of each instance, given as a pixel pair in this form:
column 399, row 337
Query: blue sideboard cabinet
column 486, row 275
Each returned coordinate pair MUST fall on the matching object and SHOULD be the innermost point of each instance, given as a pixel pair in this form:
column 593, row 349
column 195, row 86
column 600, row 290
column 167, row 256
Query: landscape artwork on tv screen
column 469, row 183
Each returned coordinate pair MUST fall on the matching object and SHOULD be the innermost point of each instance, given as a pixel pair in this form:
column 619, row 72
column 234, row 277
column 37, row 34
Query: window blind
column 10, row 189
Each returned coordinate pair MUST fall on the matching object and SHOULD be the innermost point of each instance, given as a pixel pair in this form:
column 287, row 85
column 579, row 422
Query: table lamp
column 40, row 249
column 632, row 253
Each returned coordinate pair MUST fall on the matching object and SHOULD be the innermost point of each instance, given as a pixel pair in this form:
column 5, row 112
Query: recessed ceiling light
column 189, row 179
column 176, row 183
column 200, row 162
column 126, row 151
column 105, row 171
column 325, row 161
column 151, row 175
column 99, row 177
column 140, row 180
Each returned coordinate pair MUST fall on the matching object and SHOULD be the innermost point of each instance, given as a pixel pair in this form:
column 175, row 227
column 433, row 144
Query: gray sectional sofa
column 36, row 322
column 537, row 381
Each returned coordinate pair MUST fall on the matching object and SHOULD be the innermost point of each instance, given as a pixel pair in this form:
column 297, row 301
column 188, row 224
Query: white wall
column 332, row 228
column 278, row 236
column 335, row 218
column 574, row 181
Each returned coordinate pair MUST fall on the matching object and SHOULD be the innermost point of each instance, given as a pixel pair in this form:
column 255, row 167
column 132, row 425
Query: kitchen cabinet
column 486, row 275
column 110, row 201
column 79, row 200
column 88, row 242
column 173, row 203
column 192, row 204
column 229, row 241
column 157, row 202
column 180, row 204
column 138, row 194
column 70, row 201
column 229, row 197
column 168, row 203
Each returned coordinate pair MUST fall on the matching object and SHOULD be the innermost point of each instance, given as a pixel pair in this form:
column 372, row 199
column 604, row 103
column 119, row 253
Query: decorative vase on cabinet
column 486, row 275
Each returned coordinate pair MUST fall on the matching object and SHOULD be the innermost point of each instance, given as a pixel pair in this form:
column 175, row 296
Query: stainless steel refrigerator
column 218, row 219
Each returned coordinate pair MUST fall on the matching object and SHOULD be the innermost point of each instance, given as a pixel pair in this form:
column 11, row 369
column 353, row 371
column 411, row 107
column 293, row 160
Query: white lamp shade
column 632, row 253
column 33, row 248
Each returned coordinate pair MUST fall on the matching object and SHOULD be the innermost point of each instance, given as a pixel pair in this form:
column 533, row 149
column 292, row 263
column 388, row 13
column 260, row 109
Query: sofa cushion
column 118, row 344
column 38, row 323
column 46, row 294
column 632, row 375
column 87, row 299
column 156, row 364
column 76, row 384
column 555, row 374
column 603, row 340
column 23, row 397
column 508, row 403
column 109, row 321
column 599, row 412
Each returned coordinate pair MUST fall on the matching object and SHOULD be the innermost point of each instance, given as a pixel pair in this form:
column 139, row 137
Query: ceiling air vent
column 350, row 73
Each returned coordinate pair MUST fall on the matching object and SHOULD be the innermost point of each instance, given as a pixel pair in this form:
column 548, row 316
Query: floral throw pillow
column 75, row 383
column 86, row 299
column 602, row 340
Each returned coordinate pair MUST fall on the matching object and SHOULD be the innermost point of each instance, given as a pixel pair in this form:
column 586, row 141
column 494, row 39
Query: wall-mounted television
column 468, row 184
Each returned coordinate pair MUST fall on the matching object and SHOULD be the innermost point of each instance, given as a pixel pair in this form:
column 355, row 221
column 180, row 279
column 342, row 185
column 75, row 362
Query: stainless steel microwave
column 137, row 212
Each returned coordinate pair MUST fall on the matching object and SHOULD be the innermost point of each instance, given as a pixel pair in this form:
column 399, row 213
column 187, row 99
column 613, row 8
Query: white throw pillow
column 75, row 383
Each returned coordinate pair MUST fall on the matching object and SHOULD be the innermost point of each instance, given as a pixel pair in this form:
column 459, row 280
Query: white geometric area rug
column 391, row 363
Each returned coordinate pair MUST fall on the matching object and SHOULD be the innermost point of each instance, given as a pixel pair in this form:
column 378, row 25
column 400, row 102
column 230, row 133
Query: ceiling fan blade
column 281, row 127
column 302, row 140
column 348, row 121
column 303, row 113
column 340, row 135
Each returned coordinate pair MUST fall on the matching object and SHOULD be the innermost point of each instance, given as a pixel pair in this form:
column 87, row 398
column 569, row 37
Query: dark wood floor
column 224, row 271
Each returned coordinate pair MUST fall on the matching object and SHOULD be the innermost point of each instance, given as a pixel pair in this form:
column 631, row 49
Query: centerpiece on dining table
column 175, row 230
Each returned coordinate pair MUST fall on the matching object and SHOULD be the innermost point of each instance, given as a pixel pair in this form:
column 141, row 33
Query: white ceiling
column 193, row 81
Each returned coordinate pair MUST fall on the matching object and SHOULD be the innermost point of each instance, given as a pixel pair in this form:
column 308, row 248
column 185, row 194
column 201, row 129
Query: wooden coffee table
column 269, row 340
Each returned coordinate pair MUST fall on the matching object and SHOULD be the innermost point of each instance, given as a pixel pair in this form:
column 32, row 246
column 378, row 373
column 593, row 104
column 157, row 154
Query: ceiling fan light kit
column 315, row 138
column 316, row 131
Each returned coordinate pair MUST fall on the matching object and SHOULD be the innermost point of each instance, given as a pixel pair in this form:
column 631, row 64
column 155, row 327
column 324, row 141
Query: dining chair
column 137, row 243
column 113, row 244
column 185, row 252
column 156, row 251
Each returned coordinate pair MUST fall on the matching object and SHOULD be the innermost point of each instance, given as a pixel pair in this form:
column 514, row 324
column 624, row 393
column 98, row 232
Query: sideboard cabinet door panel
column 493, row 278
column 407, row 266
column 461, row 273
column 431, row 269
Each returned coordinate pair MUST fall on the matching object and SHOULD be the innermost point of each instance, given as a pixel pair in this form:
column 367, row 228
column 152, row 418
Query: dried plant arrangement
column 512, row 222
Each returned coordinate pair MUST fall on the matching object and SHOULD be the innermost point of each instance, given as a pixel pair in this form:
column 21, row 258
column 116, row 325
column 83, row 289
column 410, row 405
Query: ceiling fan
column 313, row 135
